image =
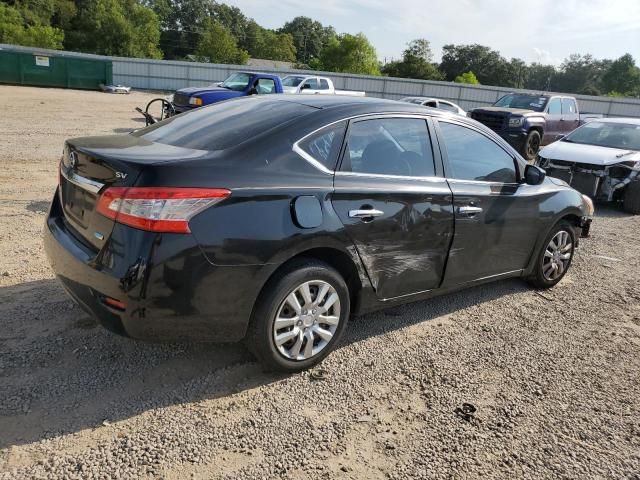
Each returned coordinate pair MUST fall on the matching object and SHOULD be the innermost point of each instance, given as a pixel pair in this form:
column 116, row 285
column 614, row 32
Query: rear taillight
column 157, row 209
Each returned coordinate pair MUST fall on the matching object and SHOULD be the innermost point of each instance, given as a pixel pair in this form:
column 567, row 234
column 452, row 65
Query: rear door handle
column 369, row 213
column 469, row 210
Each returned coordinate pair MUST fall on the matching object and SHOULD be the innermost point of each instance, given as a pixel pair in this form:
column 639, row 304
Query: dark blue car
column 239, row 84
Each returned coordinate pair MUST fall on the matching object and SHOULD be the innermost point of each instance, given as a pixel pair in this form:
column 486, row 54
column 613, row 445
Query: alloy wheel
column 557, row 255
column 306, row 320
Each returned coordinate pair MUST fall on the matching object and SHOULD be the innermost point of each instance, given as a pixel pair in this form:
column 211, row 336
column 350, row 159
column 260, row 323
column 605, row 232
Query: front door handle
column 368, row 213
column 469, row 210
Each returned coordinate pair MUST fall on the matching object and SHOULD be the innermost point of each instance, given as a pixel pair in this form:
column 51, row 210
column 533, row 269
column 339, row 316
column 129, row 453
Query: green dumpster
column 47, row 70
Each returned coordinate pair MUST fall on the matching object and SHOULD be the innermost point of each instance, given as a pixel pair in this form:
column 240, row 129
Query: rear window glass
column 223, row 125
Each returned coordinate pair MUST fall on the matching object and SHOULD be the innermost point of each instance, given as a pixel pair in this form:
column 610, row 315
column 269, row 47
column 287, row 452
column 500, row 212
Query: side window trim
column 437, row 158
column 315, row 162
column 445, row 159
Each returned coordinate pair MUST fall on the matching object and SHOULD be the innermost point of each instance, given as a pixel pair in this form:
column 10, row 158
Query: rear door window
column 324, row 85
column 569, row 106
column 389, row 146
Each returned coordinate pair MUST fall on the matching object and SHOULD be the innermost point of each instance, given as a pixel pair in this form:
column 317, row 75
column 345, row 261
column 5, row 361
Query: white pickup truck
column 310, row 85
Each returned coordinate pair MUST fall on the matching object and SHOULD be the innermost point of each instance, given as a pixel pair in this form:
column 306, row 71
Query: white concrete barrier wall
column 171, row 75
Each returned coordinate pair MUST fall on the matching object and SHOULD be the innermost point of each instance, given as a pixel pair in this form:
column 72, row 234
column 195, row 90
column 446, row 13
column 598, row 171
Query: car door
column 394, row 203
column 570, row 117
column 265, row 86
column 310, row 86
column 553, row 129
column 323, row 86
column 496, row 217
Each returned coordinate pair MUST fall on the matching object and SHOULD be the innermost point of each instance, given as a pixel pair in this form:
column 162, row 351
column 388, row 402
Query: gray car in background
column 435, row 103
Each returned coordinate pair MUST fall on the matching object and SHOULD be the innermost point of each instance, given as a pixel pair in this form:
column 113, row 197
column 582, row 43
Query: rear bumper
column 171, row 291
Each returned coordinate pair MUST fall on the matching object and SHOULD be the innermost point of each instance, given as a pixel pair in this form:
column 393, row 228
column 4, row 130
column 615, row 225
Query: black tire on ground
column 631, row 203
column 260, row 334
column 531, row 146
column 538, row 278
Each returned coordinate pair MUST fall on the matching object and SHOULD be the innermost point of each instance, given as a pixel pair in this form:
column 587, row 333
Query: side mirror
column 305, row 86
column 253, row 91
column 534, row 175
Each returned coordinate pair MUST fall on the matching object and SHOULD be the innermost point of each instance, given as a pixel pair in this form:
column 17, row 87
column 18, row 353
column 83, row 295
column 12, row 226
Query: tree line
column 209, row 31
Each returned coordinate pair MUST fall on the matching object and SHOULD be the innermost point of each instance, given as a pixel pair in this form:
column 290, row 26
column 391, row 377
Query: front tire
column 300, row 316
column 631, row 203
column 531, row 146
column 555, row 256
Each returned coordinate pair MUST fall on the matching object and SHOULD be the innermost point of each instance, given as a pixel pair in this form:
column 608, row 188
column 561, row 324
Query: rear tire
column 310, row 301
column 555, row 256
column 531, row 146
column 631, row 203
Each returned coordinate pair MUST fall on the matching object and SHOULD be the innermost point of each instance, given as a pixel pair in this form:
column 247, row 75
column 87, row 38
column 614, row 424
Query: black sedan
column 275, row 219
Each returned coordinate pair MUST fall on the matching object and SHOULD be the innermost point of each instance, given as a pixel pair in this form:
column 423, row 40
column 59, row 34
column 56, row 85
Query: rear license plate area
column 77, row 203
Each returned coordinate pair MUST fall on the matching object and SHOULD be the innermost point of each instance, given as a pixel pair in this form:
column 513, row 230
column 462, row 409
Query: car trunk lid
column 90, row 165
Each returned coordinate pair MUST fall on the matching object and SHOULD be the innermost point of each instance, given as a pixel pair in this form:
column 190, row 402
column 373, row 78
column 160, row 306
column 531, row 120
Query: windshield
column 237, row 82
column 528, row 102
column 292, row 81
column 614, row 135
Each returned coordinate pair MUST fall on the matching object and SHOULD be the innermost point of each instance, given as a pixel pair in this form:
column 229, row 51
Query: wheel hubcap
column 306, row 320
column 557, row 255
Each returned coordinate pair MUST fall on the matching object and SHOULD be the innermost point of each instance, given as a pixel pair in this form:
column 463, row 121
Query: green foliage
column 274, row 46
column 309, row 37
column 115, row 27
column 490, row 68
column 467, row 77
column 211, row 30
column 15, row 29
column 580, row 74
column 218, row 45
column 539, row 77
column 350, row 54
column 622, row 77
column 417, row 62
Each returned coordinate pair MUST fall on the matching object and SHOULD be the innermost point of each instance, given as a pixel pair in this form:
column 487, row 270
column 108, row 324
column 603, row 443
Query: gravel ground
column 553, row 376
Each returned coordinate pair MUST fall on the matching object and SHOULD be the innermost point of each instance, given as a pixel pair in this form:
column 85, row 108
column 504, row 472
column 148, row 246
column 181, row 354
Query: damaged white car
column 600, row 159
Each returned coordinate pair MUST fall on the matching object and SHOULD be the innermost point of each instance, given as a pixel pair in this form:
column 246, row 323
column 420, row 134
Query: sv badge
column 121, row 175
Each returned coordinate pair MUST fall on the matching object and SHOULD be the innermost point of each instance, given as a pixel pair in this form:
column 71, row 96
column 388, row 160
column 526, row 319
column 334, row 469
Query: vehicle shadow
column 607, row 210
column 62, row 373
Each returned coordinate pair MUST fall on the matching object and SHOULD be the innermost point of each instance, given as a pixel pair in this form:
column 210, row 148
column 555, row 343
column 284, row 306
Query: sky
column 544, row 31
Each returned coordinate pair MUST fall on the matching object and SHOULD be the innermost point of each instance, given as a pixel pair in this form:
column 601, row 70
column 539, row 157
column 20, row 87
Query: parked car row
column 526, row 121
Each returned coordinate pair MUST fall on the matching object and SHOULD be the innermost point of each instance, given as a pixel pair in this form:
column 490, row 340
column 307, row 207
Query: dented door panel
column 404, row 250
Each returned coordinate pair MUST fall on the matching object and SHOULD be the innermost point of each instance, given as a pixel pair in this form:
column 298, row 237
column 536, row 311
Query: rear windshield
column 528, row 102
column 223, row 125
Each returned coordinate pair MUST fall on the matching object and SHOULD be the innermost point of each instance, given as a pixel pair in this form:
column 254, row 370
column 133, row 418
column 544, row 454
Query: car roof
column 633, row 121
column 355, row 105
